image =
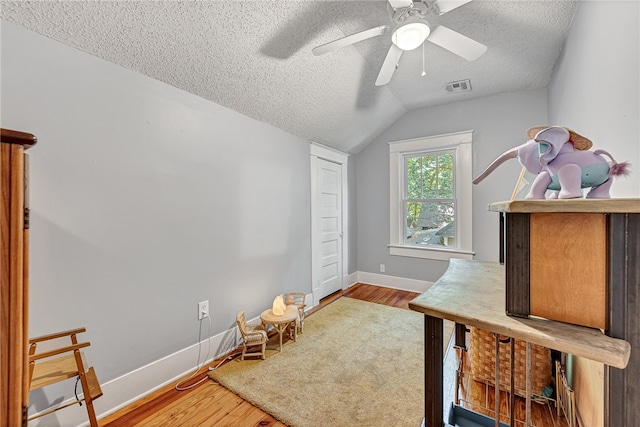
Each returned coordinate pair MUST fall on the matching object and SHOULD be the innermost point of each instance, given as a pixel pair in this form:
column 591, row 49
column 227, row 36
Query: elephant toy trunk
column 511, row 154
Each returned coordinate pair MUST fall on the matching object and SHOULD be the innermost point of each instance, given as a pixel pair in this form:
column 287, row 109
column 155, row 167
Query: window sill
column 430, row 253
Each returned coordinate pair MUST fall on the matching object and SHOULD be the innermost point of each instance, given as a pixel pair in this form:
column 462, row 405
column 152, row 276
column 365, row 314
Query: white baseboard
column 401, row 283
column 351, row 279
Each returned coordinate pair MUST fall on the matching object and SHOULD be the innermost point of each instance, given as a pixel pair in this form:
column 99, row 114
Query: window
column 431, row 197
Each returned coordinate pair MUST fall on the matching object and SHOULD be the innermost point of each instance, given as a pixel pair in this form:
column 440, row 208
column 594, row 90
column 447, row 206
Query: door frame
column 318, row 151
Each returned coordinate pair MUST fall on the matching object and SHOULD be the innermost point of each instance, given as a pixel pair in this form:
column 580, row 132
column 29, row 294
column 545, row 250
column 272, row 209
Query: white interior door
column 330, row 222
column 328, row 173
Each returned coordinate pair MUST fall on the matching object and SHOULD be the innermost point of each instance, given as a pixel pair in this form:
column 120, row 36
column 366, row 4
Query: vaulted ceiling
column 255, row 56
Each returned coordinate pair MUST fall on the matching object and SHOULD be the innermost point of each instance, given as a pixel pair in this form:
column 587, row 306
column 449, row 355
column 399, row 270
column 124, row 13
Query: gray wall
column 499, row 123
column 146, row 200
column 595, row 88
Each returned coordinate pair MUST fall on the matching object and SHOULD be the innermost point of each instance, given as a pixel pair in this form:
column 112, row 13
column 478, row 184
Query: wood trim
column 25, row 319
column 501, row 238
column 25, row 139
column 13, row 341
column 568, row 205
column 460, row 336
column 621, row 385
column 433, row 356
column 517, row 267
column 25, row 283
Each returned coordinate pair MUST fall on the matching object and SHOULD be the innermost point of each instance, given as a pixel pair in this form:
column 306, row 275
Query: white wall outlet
column 382, row 268
column 203, row 310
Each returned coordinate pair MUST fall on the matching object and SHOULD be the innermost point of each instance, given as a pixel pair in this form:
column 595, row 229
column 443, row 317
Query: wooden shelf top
column 568, row 205
column 473, row 293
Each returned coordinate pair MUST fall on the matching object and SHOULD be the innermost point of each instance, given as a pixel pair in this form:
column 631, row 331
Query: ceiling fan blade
column 399, row 4
column 445, row 6
column 349, row 40
column 389, row 65
column 455, row 42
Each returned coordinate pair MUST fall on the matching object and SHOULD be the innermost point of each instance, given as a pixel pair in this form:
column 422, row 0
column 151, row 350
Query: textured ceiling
column 255, row 56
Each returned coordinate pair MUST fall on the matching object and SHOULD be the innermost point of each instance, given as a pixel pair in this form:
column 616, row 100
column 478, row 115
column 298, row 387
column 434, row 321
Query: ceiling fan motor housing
column 411, row 33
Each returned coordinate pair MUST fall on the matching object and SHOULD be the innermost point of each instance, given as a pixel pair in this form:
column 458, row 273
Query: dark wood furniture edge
column 501, row 243
column 621, row 385
column 433, row 370
column 622, row 205
column 25, row 139
column 460, row 336
column 517, row 270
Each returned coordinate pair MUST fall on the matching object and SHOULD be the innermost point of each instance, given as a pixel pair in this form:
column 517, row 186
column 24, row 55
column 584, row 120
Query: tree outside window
column 429, row 202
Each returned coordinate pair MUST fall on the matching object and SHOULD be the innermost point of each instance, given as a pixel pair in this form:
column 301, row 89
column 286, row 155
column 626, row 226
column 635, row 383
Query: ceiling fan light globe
column 411, row 35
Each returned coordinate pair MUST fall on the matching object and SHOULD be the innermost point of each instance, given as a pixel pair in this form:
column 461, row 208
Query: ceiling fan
column 411, row 30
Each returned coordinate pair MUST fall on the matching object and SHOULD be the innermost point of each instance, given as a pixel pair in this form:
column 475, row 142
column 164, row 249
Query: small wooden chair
column 298, row 300
column 46, row 369
column 253, row 335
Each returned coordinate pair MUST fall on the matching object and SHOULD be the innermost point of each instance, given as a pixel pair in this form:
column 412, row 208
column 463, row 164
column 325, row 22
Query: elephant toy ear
column 579, row 142
column 551, row 140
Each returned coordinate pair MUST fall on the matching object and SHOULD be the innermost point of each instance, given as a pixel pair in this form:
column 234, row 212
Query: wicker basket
column 482, row 361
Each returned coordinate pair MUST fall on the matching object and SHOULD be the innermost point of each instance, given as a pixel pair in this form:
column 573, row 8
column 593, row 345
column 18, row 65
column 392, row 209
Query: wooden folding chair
column 52, row 366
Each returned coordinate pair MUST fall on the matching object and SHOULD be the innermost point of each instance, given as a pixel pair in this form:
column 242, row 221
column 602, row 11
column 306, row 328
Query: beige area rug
column 357, row 363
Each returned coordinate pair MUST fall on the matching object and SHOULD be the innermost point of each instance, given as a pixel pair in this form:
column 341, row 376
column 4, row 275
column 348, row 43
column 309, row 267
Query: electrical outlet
column 382, row 268
column 203, row 310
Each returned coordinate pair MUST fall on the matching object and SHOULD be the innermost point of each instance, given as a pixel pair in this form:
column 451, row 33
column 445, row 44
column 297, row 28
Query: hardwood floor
column 209, row 404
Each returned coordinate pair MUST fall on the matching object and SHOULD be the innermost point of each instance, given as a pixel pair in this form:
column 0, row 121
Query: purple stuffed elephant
column 560, row 159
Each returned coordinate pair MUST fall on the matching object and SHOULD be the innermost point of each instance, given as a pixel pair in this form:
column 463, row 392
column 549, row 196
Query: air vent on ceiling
column 459, row 86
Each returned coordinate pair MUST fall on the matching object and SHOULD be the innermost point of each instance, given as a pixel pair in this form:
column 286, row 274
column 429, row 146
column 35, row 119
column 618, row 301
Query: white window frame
column 461, row 143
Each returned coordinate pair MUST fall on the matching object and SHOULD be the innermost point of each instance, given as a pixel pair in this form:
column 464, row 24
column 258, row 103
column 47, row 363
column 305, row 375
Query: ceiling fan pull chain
column 395, row 35
column 424, row 73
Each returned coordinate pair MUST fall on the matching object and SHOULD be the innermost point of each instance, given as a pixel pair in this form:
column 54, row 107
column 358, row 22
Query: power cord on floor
column 226, row 359
column 179, row 383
